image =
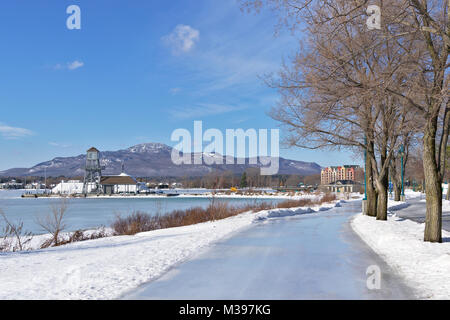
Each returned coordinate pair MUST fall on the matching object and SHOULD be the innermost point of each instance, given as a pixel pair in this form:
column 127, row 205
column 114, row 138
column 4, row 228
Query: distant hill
column 149, row 160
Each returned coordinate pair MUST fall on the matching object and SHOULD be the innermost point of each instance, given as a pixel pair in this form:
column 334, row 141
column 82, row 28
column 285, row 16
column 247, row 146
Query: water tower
column 93, row 171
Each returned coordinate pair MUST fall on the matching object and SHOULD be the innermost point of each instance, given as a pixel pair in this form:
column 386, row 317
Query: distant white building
column 35, row 186
column 122, row 183
column 95, row 183
column 69, row 187
column 13, row 184
column 343, row 186
column 175, row 185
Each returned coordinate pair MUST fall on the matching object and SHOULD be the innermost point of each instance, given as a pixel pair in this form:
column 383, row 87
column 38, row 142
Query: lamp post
column 364, row 202
column 390, row 185
column 365, row 177
column 402, row 154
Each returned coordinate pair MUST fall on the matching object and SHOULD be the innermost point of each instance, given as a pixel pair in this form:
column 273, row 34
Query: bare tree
column 421, row 28
column 332, row 96
column 447, row 196
column 14, row 231
column 54, row 223
column 414, row 168
column 428, row 95
column 399, row 162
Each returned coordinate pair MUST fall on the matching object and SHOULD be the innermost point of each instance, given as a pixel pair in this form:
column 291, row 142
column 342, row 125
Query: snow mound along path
column 278, row 213
column 109, row 267
column 425, row 266
column 394, row 206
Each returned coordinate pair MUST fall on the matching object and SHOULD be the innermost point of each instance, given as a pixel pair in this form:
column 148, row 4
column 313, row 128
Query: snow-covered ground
column 425, row 266
column 409, row 194
column 106, row 268
column 445, row 205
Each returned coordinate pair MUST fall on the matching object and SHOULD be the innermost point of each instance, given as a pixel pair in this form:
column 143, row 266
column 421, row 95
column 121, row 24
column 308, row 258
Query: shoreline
column 184, row 196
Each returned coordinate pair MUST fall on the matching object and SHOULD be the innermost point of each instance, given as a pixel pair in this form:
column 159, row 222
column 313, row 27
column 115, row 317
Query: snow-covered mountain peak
column 149, row 148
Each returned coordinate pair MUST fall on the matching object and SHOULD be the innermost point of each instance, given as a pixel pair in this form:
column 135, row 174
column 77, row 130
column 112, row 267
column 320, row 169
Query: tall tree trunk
column 372, row 199
column 397, row 184
column 433, row 186
column 447, row 196
column 371, row 192
column 382, row 184
column 397, row 191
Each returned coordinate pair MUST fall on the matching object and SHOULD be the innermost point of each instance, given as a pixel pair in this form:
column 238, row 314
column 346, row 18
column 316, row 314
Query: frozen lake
column 92, row 212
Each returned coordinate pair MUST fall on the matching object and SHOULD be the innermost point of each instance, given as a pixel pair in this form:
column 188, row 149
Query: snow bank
column 409, row 194
column 396, row 205
column 35, row 242
column 107, row 268
column 445, row 205
column 277, row 213
column 425, row 266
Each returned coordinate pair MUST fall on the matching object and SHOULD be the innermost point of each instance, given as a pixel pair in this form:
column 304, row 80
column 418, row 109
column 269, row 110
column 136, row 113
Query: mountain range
column 150, row 160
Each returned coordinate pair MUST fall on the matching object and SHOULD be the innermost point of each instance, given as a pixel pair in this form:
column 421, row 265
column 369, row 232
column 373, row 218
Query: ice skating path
column 312, row 256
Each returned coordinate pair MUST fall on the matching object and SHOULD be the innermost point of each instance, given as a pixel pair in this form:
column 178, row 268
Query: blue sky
column 136, row 71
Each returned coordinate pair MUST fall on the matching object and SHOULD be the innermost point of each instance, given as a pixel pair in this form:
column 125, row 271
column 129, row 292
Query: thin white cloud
column 75, row 65
column 11, row 133
column 69, row 65
column 174, row 91
column 234, row 58
column 202, row 110
column 59, row 145
column 182, row 39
